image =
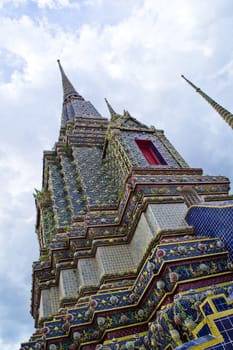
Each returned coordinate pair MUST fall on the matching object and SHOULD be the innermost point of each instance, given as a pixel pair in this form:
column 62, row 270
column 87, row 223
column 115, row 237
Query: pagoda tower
column 135, row 245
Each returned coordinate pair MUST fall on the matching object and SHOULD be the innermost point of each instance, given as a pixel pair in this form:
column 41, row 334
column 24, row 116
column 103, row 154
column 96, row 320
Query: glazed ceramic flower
column 202, row 247
column 160, row 284
column 96, row 334
column 101, row 321
column 189, row 324
column 150, row 266
column 182, row 250
column 173, row 276
column 76, row 335
column 93, row 303
column 175, row 335
column 132, row 296
column 113, row 300
column 203, row 267
column 98, row 347
column 140, row 313
column 124, row 319
column 73, row 347
column 52, row 347
column 45, row 330
column 160, row 253
column 130, row 345
column 69, row 317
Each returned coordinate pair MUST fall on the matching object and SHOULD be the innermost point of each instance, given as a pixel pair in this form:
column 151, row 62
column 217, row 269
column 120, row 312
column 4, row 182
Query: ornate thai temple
column 136, row 248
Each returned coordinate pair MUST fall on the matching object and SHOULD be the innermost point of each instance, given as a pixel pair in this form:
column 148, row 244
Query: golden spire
column 68, row 89
column 224, row 113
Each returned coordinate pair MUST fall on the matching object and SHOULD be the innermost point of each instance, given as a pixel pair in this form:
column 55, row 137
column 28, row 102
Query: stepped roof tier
column 135, row 245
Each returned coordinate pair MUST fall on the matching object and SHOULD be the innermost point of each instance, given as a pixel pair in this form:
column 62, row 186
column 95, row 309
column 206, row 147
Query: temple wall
column 49, row 302
column 116, row 259
column 141, row 239
column 68, row 283
column 167, row 216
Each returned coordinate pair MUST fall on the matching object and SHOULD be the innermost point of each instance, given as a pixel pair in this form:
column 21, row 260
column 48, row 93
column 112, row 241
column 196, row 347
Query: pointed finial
column 126, row 114
column 111, row 110
column 68, row 89
column 190, row 83
column 224, row 113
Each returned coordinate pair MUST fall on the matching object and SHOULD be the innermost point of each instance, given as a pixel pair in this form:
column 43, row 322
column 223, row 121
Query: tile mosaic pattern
column 141, row 239
column 224, row 324
column 89, row 272
column 78, row 108
column 95, row 176
column 45, row 306
column 111, row 301
column 136, row 157
column 59, row 197
column 48, row 224
column 68, row 283
column 49, row 303
column 73, row 187
column 225, row 327
column 116, row 259
column 168, row 216
column 186, row 311
column 212, row 221
column 180, row 160
column 54, row 299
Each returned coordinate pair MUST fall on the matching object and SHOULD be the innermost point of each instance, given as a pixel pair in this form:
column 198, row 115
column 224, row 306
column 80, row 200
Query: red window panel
column 150, row 152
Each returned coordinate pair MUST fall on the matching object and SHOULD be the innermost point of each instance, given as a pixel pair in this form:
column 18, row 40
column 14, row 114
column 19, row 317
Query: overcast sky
column 130, row 51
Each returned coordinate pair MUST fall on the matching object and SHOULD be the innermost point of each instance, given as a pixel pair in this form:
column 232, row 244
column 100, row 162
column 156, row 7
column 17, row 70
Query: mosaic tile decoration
column 141, row 239
column 96, row 177
column 59, row 197
column 77, row 108
column 89, row 272
column 68, row 284
column 169, row 215
column 54, row 299
column 74, row 189
column 213, row 221
column 49, row 301
column 45, row 305
column 127, row 140
column 225, row 327
column 170, row 276
column 217, row 329
column 116, row 258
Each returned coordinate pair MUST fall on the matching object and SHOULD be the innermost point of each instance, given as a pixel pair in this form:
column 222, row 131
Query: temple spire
column 111, row 110
column 224, row 113
column 68, row 89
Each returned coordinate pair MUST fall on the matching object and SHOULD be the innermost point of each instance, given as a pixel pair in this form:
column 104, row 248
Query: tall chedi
column 134, row 244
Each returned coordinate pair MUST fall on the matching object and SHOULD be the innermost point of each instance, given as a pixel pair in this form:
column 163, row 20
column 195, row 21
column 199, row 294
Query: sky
column 132, row 52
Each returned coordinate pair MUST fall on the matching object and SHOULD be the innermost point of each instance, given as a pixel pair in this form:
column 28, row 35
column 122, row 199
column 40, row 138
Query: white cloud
column 57, row 4
column 9, row 346
column 12, row 2
column 49, row 4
